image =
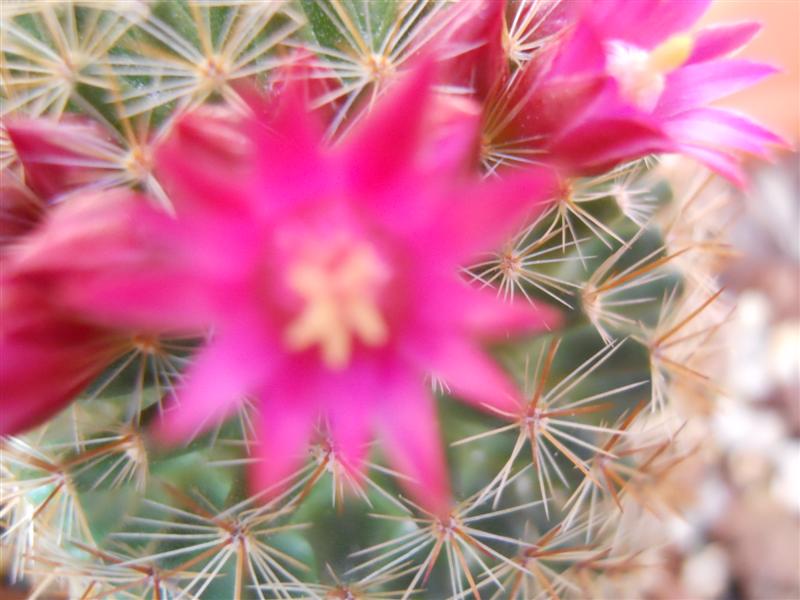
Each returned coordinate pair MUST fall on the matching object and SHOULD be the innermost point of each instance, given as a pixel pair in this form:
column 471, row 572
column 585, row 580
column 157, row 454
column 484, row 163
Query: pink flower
column 559, row 106
column 330, row 280
column 620, row 81
column 673, row 76
column 49, row 353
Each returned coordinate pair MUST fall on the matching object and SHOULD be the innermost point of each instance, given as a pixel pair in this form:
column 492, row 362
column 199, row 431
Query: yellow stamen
column 340, row 303
column 671, row 54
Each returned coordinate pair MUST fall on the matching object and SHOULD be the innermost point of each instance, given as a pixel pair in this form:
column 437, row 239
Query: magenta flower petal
column 351, row 432
column 721, row 40
column 487, row 319
column 564, row 109
column 701, row 83
column 141, row 300
column 481, row 218
column 473, row 377
column 384, row 140
column 582, row 55
column 288, row 159
column 228, row 369
column 409, row 432
column 30, row 400
column 351, row 422
column 723, row 163
column 216, row 140
column 718, row 128
column 644, row 23
column 602, row 143
column 454, row 151
column 284, row 430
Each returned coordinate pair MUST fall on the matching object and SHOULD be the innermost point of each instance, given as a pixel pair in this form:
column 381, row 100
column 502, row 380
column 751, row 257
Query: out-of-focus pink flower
column 330, row 278
column 49, row 353
column 47, row 356
column 623, row 80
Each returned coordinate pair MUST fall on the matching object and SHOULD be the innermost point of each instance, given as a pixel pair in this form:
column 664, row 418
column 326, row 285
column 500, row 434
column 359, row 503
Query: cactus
column 114, row 487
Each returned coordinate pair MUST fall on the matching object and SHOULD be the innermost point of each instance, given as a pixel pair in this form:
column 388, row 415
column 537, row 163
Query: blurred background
column 740, row 492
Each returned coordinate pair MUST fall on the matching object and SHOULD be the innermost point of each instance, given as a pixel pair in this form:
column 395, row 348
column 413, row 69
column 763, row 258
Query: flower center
column 642, row 74
column 339, row 283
